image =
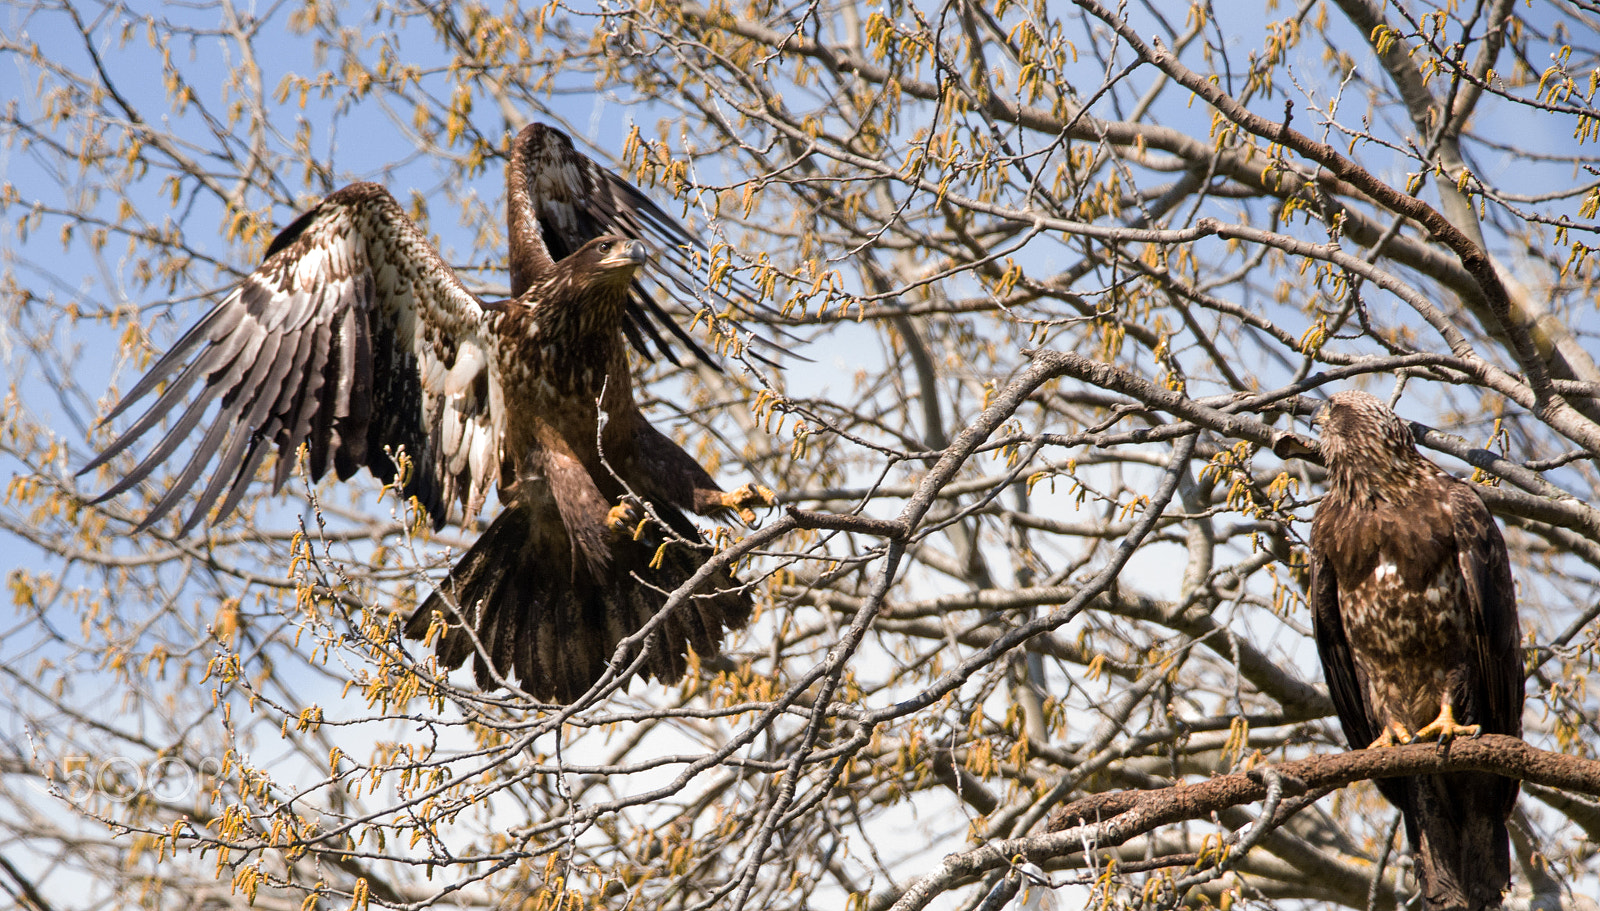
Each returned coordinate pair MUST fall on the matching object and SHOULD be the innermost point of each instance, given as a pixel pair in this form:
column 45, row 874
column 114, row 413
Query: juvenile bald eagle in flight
column 355, row 340
column 1416, row 623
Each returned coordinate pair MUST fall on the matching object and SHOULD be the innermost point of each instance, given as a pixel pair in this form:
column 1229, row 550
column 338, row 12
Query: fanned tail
column 551, row 624
column 1457, row 825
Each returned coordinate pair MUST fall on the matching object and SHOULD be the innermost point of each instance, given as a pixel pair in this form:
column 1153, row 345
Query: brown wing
column 559, row 199
column 1333, row 646
column 1492, row 603
column 1459, row 820
column 351, row 338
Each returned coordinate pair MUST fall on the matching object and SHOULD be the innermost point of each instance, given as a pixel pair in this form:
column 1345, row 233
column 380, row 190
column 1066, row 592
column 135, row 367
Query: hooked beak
column 1287, row 444
column 630, row 253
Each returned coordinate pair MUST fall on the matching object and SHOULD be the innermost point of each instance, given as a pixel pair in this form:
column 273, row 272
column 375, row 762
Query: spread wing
column 354, row 339
column 1492, row 603
column 559, row 199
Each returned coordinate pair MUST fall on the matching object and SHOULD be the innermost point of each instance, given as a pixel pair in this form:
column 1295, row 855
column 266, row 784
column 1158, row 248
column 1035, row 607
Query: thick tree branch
column 1107, row 820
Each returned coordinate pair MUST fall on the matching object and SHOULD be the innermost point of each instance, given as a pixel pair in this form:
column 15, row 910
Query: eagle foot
column 1445, row 727
column 625, row 520
column 1394, row 734
column 747, row 496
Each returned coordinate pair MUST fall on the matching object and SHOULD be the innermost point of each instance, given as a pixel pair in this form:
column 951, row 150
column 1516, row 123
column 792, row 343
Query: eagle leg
column 745, row 497
column 1394, row 734
column 1446, row 727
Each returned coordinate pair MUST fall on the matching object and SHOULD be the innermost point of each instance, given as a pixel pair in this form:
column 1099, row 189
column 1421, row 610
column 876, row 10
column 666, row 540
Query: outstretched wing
column 354, row 339
column 559, row 199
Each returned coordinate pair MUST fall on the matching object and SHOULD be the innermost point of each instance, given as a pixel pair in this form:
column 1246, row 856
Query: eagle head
column 1362, row 437
column 585, row 295
column 609, row 261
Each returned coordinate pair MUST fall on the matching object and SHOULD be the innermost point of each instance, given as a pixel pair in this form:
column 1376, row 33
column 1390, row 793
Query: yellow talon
column 749, row 495
column 1445, row 727
column 1394, row 734
column 621, row 518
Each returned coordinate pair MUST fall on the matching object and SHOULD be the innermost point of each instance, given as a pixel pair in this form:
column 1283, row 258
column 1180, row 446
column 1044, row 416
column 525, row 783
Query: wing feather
column 1333, row 645
column 212, row 326
column 249, row 447
column 197, row 461
column 208, row 363
column 353, row 406
column 343, row 340
column 301, row 410
column 1492, row 603
column 228, row 373
column 559, row 199
column 239, row 416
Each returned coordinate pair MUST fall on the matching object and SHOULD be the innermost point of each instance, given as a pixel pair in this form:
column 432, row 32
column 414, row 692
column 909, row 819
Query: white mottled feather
column 356, row 272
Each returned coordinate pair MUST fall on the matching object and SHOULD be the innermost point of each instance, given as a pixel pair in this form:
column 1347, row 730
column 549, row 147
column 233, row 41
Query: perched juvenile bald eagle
column 354, row 339
column 1416, row 624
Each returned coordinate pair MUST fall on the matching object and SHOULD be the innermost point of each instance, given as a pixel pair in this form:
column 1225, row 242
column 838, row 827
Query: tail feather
column 472, row 598
column 1456, row 824
column 547, row 621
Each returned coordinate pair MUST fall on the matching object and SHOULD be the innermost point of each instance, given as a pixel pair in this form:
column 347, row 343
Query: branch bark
column 1107, row 820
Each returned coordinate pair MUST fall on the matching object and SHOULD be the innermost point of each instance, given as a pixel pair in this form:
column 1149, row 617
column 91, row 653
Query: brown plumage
column 557, row 199
column 354, row 339
column 561, row 577
column 1416, row 624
